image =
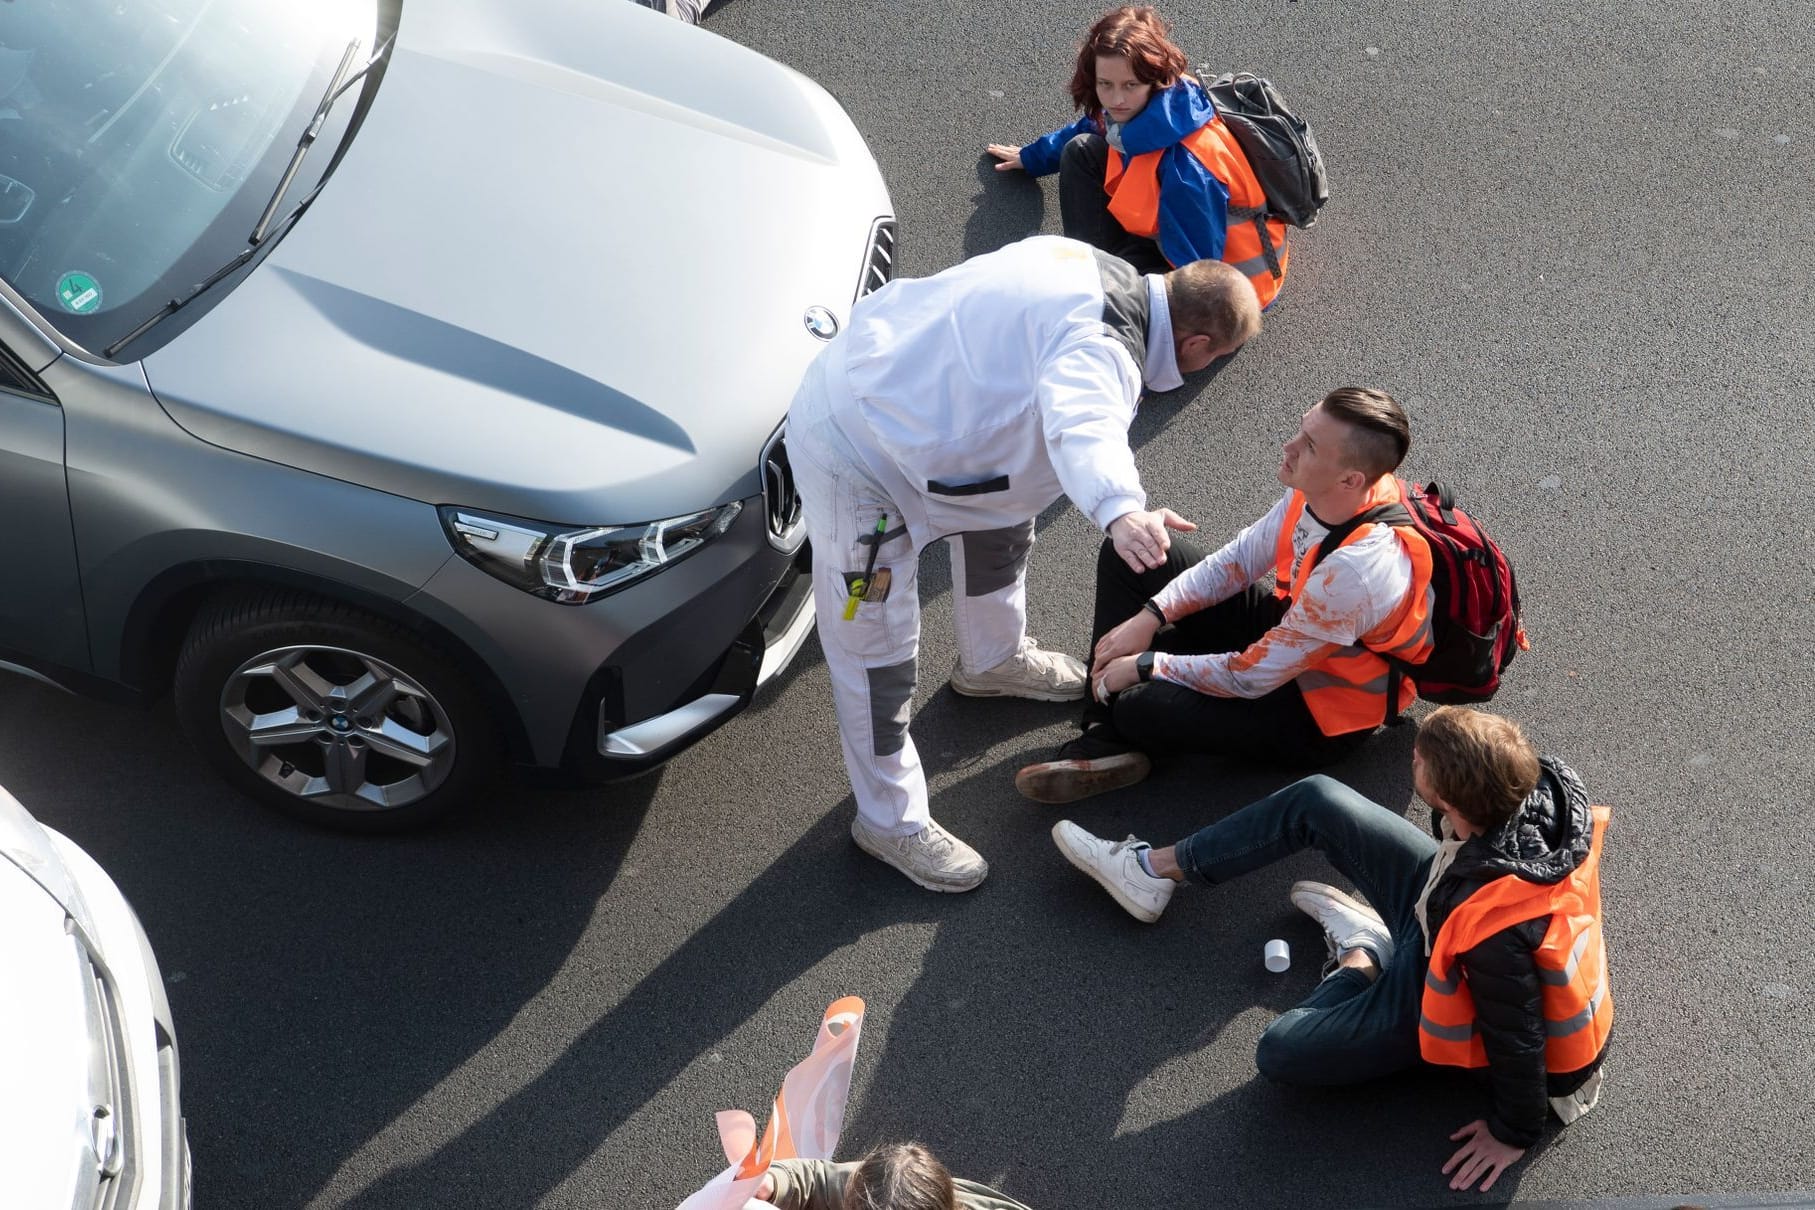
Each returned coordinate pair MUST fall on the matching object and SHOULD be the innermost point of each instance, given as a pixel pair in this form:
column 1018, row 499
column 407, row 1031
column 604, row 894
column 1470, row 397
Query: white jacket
column 974, row 397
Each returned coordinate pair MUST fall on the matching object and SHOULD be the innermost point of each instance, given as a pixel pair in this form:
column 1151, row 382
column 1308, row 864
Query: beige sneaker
column 1044, row 676
column 932, row 857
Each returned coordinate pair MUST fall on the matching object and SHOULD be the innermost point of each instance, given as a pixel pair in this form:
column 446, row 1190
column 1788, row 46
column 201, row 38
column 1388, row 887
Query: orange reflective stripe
column 1571, row 962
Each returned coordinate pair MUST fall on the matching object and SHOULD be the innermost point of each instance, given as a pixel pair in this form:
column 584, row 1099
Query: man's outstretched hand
column 1141, row 538
column 1481, row 1155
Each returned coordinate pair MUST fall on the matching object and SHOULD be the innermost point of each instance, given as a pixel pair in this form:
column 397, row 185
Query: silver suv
column 400, row 384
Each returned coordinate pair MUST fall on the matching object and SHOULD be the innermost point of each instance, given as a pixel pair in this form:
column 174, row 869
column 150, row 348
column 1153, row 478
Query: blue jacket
column 1194, row 205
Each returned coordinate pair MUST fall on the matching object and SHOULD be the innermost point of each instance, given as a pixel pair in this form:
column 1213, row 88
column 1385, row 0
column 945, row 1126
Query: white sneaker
column 932, row 857
column 1044, row 676
column 1116, row 869
column 1347, row 922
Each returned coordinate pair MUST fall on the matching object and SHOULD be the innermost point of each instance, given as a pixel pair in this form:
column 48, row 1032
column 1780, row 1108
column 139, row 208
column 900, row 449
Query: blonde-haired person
column 1479, row 948
column 896, row 1176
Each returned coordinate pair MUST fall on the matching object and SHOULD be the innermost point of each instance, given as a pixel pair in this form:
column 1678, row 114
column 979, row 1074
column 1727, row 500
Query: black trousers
column 1160, row 717
column 1084, row 206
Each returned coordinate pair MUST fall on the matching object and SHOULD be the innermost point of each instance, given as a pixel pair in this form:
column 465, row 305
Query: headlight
column 574, row 566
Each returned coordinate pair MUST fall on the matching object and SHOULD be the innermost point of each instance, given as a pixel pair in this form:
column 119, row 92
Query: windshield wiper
column 266, row 229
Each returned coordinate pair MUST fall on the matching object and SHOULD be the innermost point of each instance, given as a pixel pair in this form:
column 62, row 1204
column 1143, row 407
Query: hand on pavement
column 1141, row 538
column 1130, row 638
column 1007, row 153
column 1481, row 1155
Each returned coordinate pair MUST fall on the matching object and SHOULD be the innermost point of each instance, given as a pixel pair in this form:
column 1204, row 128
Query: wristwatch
column 1143, row 666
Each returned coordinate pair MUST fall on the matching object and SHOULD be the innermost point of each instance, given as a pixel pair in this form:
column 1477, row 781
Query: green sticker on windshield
column 79, row 292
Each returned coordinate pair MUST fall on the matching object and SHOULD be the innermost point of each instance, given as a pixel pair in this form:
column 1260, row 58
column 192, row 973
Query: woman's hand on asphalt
column 1007, row 153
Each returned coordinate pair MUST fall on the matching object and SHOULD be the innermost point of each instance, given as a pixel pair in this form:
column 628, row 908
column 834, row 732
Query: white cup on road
column 1277, row 955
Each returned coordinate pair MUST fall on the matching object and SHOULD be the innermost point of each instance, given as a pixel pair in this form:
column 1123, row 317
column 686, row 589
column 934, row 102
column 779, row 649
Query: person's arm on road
column 1481, row 1155
column 1502, row 977
column 1041, row 157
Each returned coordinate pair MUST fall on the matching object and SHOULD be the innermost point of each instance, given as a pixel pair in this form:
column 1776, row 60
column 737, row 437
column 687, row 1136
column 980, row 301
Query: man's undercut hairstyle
column 900, row 1176
column 1478, row 763
column 1211, row 298
column 1138, row 34
column 1380, row 434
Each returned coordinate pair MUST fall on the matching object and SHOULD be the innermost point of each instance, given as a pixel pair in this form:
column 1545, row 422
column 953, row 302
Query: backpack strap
column 1385, row 514
column 1258, row 216
column 1446, row 501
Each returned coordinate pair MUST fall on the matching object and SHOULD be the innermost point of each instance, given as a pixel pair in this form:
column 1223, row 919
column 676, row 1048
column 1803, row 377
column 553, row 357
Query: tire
column 332, row 715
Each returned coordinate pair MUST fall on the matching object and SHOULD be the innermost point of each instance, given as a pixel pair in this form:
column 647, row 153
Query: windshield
column 139, row 142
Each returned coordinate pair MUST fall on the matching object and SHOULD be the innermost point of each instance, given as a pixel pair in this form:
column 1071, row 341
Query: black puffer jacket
column 1543, row 842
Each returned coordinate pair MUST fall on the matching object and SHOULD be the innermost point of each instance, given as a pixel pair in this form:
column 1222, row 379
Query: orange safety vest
column 1134, row 199
column 1348, row 690
column 1572, row 966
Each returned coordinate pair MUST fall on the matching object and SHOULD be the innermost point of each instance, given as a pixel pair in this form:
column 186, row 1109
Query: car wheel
column 331, row 715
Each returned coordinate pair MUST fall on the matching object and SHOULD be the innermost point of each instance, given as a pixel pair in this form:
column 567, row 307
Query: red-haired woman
column 1177, row 188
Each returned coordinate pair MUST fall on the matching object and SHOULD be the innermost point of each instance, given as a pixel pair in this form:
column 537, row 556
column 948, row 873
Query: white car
column 89, row 1107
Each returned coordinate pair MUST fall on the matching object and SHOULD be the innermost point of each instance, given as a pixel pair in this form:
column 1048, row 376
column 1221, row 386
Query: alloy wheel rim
column 337, row 727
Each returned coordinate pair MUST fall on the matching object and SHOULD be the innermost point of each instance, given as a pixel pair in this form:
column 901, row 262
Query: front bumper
column 761, row 652
column 613, row 688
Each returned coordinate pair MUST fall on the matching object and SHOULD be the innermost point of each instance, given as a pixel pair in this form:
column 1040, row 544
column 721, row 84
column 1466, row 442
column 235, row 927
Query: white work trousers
column 872, row 657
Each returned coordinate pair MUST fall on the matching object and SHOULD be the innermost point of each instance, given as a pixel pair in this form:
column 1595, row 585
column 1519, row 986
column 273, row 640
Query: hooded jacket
column 1543, row 842
column 1194, row 203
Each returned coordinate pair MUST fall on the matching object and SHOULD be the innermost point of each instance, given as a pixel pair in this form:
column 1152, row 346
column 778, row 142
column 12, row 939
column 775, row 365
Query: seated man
column 1197, row 656
column 1482, row 949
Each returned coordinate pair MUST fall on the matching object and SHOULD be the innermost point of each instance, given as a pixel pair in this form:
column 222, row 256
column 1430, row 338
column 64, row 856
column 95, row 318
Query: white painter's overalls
column 957, row 406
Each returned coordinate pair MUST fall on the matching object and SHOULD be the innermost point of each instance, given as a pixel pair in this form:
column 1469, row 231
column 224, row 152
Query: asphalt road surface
column 1577, row 241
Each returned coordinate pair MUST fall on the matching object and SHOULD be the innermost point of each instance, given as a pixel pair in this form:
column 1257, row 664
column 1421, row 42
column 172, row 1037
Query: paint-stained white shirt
column 1354, row 590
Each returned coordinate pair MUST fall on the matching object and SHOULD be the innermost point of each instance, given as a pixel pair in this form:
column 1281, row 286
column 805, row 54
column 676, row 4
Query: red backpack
column 1475, row 624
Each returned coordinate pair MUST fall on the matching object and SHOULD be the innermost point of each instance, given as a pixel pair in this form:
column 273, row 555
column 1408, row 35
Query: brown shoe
column 1093, row 763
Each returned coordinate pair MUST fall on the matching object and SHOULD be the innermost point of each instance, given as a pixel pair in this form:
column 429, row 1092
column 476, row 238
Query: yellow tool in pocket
column 871, row 585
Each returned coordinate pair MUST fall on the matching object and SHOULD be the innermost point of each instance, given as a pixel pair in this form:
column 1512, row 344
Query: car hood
column 559, row 273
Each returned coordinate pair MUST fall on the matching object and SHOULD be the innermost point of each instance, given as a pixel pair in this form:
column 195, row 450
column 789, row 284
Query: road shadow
column 1007, row 206
column 1035, row 974
column 321, row 984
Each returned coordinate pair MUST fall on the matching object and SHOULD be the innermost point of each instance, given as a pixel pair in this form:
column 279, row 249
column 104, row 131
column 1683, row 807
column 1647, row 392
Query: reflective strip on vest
column 1571, row 966
column 1559, row 978
column 1316, row 679
column 1579, row 1022
column 1449, row 1033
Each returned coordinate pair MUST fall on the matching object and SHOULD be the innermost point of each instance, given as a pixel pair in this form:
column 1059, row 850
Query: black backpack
column 1279, row 145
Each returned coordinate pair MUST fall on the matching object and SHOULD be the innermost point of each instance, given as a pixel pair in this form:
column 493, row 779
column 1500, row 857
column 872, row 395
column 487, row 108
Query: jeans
column 1160, row 717
column 1349, row 1029
column 1084, row 206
